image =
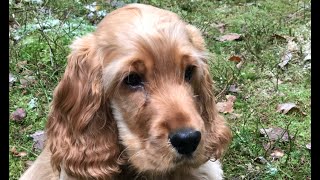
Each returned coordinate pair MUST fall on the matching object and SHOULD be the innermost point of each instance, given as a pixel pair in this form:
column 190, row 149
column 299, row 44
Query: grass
column 39, row 39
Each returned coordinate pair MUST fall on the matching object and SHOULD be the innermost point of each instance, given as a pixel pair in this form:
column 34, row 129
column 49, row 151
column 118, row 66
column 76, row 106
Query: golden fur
column 98, row 128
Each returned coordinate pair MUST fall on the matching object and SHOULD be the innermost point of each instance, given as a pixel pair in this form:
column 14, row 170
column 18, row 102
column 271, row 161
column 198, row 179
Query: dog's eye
column 188, row 73
column 133, row 80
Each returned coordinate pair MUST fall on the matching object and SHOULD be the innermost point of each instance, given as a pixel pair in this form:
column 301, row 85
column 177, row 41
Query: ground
column 264, row 64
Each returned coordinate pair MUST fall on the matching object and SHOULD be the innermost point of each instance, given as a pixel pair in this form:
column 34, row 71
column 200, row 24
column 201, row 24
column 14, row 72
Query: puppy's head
column 137, row 89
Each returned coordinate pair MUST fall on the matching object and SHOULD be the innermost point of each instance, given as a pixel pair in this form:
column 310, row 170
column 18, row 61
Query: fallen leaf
column 292, row 46
column 283, row 37
column 287, row 56
column 14, row 151
column 277, row 154
column 275, row 134
column 233, row 88
column 277, row 36
column 288, row 107
column 229, row 37
column 231, row 98
column 38, row 137
column 22, row 154
column 19, row 114
column 308, row 146
column 239, row 64
column 26, row 80
column 285, row 59
column 285, row 107
column 235, row 58
column 226, row 106
column 268, row 146
column 21, row 64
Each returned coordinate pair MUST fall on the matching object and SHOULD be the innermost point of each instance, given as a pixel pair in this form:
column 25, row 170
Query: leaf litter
column 276, row 133
column 39, row 138
column 226, row 106
column 230, row 37
column 277, row 154
column 14, row 152
column 288, row 107
column 18, row 115
column 233, row 88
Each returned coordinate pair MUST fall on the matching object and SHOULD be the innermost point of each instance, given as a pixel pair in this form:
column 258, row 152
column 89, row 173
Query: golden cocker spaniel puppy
column 135, row 102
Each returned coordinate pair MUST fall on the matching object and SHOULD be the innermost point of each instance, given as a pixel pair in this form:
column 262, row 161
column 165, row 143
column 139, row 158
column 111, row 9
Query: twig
column 224, row 89
column 29, row 151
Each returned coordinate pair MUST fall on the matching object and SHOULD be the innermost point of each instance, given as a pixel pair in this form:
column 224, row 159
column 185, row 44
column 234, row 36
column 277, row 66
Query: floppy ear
column 81, row 131
column 218, row 133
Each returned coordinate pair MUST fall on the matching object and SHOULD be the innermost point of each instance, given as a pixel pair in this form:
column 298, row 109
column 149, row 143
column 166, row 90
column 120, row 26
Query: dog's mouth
column 184, row 159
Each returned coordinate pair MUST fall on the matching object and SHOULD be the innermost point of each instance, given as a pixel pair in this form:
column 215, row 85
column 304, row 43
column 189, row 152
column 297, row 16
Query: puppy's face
column 153, row 65
column 156, row 100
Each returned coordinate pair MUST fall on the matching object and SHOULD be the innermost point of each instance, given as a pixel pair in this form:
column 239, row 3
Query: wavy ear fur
column 219, row 134
column 81, row 131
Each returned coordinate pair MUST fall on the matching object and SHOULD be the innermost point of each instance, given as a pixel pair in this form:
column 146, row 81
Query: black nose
column 185, row 141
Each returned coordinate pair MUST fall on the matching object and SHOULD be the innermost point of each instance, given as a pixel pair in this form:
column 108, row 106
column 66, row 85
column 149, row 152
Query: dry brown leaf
column 292, row 46
column 268, row 146
column 231, row 98
column 226, row 106
column 275, row 134
column 277, row 153
column 277, row 36
column 235, row 58
column 26, row 80
column 14, row 151
column 233, row 88
column 18, row 115
column 38, row 137
column 239, row 64
column 230, row 37
column 287, row 107
column 283, row 37
column 22, row 154
column 285, row 59
column 21, row 64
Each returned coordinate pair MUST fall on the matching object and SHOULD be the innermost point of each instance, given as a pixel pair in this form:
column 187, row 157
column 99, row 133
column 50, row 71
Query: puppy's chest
column 194, row 175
